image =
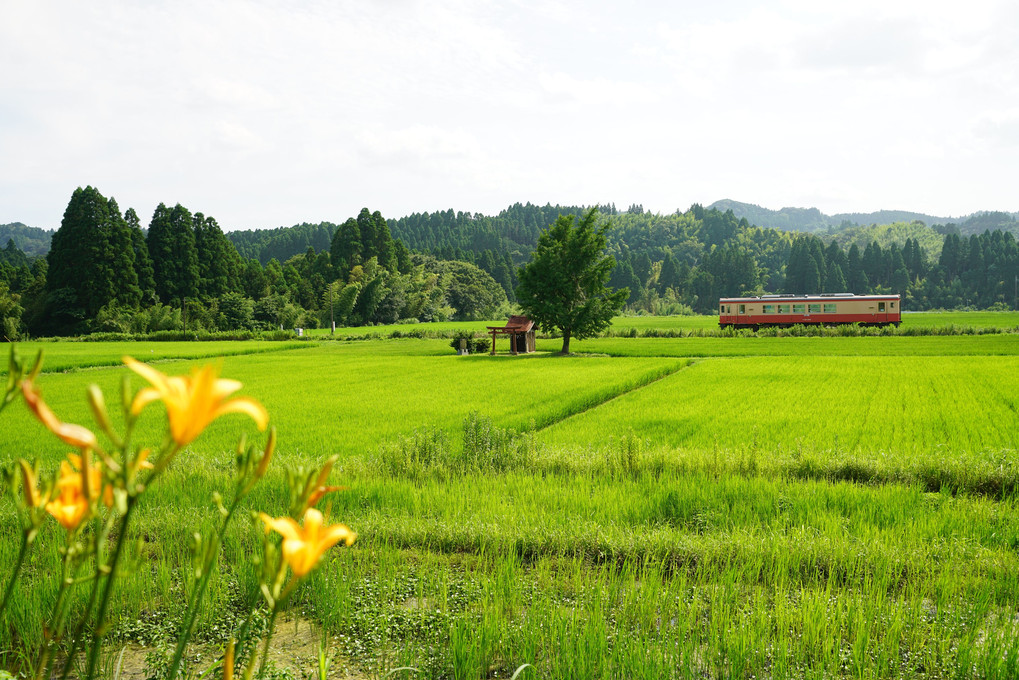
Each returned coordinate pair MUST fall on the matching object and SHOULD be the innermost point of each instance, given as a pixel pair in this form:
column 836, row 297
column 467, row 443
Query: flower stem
column 199, row 594
column 97, row 636
column 14, row 575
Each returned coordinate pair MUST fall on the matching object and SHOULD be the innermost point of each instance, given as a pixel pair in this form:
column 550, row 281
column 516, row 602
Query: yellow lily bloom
column 194, row 401
column 71, row 503
column 304, row 546
column 69, row 506
column 74, row 435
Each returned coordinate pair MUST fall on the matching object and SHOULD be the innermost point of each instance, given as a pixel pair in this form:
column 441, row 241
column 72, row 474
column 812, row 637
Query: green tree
column 10, row 314
column 92, row 256
column 142, row 261
column 171, row 243
column 218, row 262
column 236, row 312
column 471, row 291
column 346, row 251
column 564, row 285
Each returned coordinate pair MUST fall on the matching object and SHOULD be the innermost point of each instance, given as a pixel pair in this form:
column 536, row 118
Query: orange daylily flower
column 304, row 546
column 69, row 433
column 71, row 502
column 194, row 401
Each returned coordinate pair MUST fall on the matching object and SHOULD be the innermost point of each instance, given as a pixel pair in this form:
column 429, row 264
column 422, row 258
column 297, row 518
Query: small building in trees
column 520, row 330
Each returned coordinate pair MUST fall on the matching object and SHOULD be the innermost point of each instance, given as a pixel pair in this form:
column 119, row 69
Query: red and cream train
column 825, row 309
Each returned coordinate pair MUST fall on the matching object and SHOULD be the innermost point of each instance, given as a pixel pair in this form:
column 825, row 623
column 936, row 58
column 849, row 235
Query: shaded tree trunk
column 566, row 342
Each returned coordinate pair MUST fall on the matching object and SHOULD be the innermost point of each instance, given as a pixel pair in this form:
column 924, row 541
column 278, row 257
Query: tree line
column 105, row 272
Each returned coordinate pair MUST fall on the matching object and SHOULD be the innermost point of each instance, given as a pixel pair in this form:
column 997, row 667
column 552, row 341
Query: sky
column 265, row 114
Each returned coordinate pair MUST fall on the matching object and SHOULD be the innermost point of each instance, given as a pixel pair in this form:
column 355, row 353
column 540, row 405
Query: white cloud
column 272, row 112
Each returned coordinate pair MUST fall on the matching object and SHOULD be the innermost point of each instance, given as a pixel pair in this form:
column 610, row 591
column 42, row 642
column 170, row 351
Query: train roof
column 826, row 297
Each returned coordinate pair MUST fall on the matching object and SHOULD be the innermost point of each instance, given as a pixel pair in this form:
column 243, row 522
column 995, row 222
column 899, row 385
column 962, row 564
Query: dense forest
column 107, row 272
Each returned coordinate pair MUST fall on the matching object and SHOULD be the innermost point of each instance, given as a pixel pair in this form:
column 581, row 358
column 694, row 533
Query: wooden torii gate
column 515, row 326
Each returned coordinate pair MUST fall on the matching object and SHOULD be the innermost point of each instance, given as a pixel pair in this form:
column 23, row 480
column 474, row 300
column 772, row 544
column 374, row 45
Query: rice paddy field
column 653, row 507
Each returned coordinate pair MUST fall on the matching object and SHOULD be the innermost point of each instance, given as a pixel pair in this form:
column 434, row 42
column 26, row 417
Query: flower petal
column 145, row 396
column 247, row 406
column 145, row 371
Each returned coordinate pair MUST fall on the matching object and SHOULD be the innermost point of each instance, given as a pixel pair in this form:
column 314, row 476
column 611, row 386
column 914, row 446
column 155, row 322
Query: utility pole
column 332, row 321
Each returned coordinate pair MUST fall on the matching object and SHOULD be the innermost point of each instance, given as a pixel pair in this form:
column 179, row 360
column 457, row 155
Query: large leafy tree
column 564, row 285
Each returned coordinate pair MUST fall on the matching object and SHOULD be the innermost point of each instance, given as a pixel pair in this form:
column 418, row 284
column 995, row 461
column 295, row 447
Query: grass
column 806, row 347
column 899, row 406
column 349, row 399
column 623, row 325
column 68, row 356
column 688, row 507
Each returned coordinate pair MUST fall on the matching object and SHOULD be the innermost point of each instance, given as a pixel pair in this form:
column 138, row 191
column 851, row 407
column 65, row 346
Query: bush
column 475, row 344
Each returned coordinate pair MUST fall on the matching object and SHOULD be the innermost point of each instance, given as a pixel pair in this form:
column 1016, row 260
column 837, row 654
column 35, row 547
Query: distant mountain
column 30, row 240
column 813, row 220
column 786, row 219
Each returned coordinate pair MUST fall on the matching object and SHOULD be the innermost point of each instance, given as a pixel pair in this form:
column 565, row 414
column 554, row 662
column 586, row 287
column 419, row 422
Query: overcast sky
column 266, row 114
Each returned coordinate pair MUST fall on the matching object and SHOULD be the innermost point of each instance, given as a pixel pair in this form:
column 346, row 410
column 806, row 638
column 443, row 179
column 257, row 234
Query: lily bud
column 270, row 446
column 28, row 484
column 97, row 403
column 36, row 367
column 228, row 661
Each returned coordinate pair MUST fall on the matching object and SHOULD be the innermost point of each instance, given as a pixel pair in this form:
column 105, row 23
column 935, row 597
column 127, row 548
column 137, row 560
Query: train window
column 742, row 309
column 799, row 309
column 829, row 308
column 814, row 309
column 880, row 306
column 783, row 309
column 721, row 309
column 769, row 309
column 893, row 305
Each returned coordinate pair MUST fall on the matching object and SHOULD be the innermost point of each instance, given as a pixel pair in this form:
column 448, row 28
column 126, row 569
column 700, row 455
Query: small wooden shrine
column 520, row 330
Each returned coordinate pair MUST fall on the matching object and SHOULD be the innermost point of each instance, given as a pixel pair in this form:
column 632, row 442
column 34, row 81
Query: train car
column 827, row 309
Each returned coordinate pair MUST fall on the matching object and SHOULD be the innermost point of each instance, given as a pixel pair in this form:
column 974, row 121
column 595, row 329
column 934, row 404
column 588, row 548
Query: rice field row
column 896, row 406
column 806, row 347
column 66, row 356
column 347, row 399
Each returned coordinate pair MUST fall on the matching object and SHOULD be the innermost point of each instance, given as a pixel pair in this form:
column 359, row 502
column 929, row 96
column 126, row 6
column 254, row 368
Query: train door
column 882, row 312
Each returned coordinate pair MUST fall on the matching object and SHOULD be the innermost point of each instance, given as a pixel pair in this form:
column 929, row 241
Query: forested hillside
column 814, row 221
column 105, row 272
column 29, row 240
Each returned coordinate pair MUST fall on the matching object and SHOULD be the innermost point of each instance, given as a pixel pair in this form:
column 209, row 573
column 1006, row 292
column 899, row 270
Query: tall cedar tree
column 218, row 261
column 91, row 258
column 563, row 286
column 142, row 261
column 171, row 243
